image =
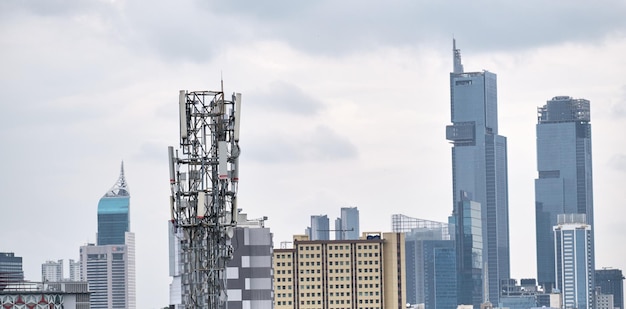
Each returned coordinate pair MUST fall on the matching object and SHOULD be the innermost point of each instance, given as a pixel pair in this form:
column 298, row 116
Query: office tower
column 113, row 213
column 320, row 228
column 322, row 274
column 347, row 225
column 52, row 271
column 573, row 247
column 11, row 270
column 109, row 266
column 468, row 228
column 75, row 270
column 479, row 164
column 564, row 183
column 611, row 281
column 430, row 266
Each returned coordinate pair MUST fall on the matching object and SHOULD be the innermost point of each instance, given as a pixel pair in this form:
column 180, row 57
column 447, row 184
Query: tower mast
column 203, row 182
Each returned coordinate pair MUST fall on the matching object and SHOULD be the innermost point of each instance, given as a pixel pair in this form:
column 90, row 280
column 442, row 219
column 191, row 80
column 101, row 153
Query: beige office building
column 368, row 273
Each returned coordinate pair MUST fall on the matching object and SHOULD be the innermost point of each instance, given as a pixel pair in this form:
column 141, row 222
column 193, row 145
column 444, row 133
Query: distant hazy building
column 347, row 225
column 573, row 246
column 320, row 228
column 323, row 274
column 109, row 265
column 75, row 271
column 521, row 296
column 611, row 281
column 564, row 183
column 467, row 222
column 430, row 262
column 52, row 271
column 479, row 165
column 11, row 270
column 431, row 277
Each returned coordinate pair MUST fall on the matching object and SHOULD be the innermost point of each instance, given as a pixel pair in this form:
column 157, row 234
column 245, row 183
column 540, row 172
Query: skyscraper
column 320, row 228
column 347, row 225
column 564, row 183
column 479, row 164
column 572, row 246
column 109, row 266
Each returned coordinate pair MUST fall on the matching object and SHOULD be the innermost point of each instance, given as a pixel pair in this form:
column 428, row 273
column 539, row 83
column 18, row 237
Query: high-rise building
column 479, row 164
column 430, row 256
column 320, row 228
column 347, row 225
column 611, row 281
column 323, row 274
column 11, row 270
column 52, row 271
column 468, row 228
column 250, row 270
column 564, row 183
column 75, row 270
column 109, row 266
column 573, row 246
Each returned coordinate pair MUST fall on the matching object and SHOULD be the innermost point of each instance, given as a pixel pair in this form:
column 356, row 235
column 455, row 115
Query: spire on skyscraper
column 456, row 54
column 120, row 188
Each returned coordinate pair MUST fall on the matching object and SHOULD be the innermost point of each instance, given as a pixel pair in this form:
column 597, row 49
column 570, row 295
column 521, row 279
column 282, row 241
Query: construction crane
column 203, row 182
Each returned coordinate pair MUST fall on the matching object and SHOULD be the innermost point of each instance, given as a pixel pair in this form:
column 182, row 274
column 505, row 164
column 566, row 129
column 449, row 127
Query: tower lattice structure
column 203, row 181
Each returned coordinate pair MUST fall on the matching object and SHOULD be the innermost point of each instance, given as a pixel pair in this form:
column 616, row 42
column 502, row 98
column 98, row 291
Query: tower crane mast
column 203, row 203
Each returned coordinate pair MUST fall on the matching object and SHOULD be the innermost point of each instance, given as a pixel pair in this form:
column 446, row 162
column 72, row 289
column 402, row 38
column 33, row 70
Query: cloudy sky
column 345, row 103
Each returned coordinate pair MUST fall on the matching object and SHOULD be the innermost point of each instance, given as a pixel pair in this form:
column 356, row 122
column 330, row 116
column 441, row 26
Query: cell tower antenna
column 203, row 202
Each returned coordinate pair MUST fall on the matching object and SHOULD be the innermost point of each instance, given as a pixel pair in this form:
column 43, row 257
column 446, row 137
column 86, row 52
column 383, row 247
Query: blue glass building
column 113, row 213
column 479, row 165
column 564, row 183
column 430, row 270
column 469, row 245
column 320, row 228
column 347, row 226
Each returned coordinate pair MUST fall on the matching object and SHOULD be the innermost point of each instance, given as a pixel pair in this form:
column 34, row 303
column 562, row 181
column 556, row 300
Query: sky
column 344, row 103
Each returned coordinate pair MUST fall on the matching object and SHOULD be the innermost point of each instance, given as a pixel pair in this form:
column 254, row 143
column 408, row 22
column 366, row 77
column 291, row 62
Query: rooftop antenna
column 456, row 55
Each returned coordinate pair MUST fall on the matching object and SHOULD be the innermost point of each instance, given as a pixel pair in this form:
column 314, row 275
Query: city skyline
column 347, row 111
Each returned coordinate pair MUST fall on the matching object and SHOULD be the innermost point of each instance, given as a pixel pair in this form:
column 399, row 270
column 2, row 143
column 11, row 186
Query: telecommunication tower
column 203, row 181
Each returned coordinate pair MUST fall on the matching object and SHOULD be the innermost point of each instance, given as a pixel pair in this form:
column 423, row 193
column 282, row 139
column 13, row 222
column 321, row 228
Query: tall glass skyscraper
column 113, row 213
column 564, row 183
column 320, row 228
column 347, row 226
column 479, row 165
column 109, row 266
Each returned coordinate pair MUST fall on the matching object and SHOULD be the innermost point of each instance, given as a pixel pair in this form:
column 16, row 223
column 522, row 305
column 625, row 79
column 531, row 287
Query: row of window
column 283, row 287
column 283, row 272
column 283, row 256
column 338, row 247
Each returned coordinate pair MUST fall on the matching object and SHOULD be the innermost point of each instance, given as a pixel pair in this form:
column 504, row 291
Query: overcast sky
column 345, row 103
